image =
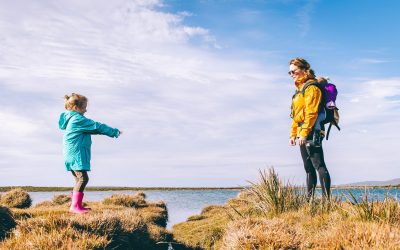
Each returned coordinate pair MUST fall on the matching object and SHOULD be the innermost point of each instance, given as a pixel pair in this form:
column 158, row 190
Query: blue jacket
column 77, row 138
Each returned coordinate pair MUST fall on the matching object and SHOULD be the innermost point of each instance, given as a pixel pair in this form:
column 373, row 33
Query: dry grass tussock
column 206, row 230
column 295, row 230
column 106, row 226
column 272, row 214
column 126, row 200
column 58, row 200
column 61, row 199
column 256, row 233
column 16, row 198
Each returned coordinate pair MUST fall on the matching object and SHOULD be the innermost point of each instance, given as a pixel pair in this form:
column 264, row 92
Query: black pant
column 313, row 159
column 81, row 180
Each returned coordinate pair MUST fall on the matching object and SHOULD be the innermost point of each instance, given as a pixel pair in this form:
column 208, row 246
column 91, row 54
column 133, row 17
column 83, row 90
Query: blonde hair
column 75, row 102
column 302, row 64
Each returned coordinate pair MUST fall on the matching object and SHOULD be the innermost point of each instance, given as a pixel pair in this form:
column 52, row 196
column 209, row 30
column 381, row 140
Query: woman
column 304, row 114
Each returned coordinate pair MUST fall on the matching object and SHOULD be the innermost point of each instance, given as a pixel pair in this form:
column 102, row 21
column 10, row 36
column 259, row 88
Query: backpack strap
column 303, row 90
column 291, row 106
column 318, row 85
column 308, row 84
column 329, row 128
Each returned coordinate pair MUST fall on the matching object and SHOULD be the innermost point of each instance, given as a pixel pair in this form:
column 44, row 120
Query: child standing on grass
column 77, row 142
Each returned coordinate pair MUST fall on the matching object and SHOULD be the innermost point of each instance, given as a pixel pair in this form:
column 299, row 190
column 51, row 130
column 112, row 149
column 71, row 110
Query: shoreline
column 105, row 188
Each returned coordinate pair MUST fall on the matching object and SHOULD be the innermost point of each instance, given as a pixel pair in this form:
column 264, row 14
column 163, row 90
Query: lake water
column 180, row 203
column 184, row 203
column 370, row 193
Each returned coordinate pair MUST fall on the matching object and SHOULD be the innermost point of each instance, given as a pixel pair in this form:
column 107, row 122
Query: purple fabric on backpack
column 331, row 93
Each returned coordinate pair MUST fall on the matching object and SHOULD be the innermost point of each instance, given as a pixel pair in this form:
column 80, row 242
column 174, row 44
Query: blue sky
column 200, row 88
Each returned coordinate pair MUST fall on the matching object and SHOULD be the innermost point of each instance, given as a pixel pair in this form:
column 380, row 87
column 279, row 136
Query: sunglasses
column 292, row 72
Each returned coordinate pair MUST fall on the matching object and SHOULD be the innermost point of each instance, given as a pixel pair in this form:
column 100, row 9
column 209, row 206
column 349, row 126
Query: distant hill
column 393, row 182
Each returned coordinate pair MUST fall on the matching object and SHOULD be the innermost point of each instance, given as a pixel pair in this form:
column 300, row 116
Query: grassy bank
column 272, row 214
column 121, row 221
column 268, row 214
column 60, row 189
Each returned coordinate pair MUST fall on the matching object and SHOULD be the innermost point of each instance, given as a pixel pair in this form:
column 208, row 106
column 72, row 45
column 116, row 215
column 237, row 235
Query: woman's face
column 296, row 73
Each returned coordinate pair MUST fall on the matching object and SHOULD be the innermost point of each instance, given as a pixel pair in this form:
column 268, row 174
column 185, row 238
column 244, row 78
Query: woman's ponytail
column 304, row 65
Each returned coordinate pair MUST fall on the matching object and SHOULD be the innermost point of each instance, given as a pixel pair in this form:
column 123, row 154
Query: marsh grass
column 156, row 214
column 16, row 198
column 367, row 208
column 106, row 226
column 272, row 214
column 61, row 199
column 126, row 200
column 206, row 230
column 274, row 196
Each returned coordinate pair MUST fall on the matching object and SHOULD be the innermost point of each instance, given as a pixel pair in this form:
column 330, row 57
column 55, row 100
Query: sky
column 199, row 88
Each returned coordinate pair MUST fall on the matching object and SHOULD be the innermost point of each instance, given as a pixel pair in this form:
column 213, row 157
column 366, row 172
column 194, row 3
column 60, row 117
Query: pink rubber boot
column 80, row 203
column 76, row 205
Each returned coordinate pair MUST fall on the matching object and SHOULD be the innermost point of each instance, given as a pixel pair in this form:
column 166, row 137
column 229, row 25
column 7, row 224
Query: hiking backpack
column 327, row 104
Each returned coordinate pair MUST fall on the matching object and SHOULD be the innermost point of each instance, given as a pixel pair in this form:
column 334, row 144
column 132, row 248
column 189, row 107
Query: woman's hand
column 302, row 141
column 292, row 141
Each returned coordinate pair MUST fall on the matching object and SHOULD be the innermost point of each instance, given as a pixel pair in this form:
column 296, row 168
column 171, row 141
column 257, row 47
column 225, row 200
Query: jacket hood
column 64, row 118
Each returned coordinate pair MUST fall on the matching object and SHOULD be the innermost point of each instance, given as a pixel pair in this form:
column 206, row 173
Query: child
column 77, row 142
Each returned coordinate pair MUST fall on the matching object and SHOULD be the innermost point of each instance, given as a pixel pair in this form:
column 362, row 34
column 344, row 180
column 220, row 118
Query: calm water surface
column 184, row 203
column 180, row 203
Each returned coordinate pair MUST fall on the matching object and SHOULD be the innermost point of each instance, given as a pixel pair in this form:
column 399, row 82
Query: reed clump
column 156, row 214
column 126, row 200
column 273, row 214
column 206, row 230
column 16, row 198
column 257, row 233
column 273, row 196
column 106, row 226
column 61, row 199
column 371, row 209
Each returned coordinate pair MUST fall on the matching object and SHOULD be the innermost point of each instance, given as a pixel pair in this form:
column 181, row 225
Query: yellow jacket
column 305, row 110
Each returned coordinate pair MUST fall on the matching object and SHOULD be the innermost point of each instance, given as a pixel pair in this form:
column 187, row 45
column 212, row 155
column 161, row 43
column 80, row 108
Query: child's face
column 83, row 109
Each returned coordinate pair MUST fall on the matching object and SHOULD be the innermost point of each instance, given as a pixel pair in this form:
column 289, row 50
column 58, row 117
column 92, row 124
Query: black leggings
column 313, row 160
column 81, row 180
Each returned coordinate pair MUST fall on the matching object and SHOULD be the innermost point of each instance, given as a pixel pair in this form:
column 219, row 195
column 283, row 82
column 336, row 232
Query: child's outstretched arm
column 92, row 127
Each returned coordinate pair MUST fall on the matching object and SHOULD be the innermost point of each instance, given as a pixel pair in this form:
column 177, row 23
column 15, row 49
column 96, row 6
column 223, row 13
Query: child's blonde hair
column 75, row 102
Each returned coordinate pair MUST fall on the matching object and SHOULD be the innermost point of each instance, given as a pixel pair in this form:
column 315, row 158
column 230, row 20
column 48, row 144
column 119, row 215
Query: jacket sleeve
column 89, row 126
column 312, row 98
column 293, row 130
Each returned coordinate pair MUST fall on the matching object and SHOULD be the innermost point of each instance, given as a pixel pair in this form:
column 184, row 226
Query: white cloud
column 179, row 106
column 372, row 61
column 305, row 14
column 15, row 125
column 367, row 139
column 370, row 101
column 184, row 110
